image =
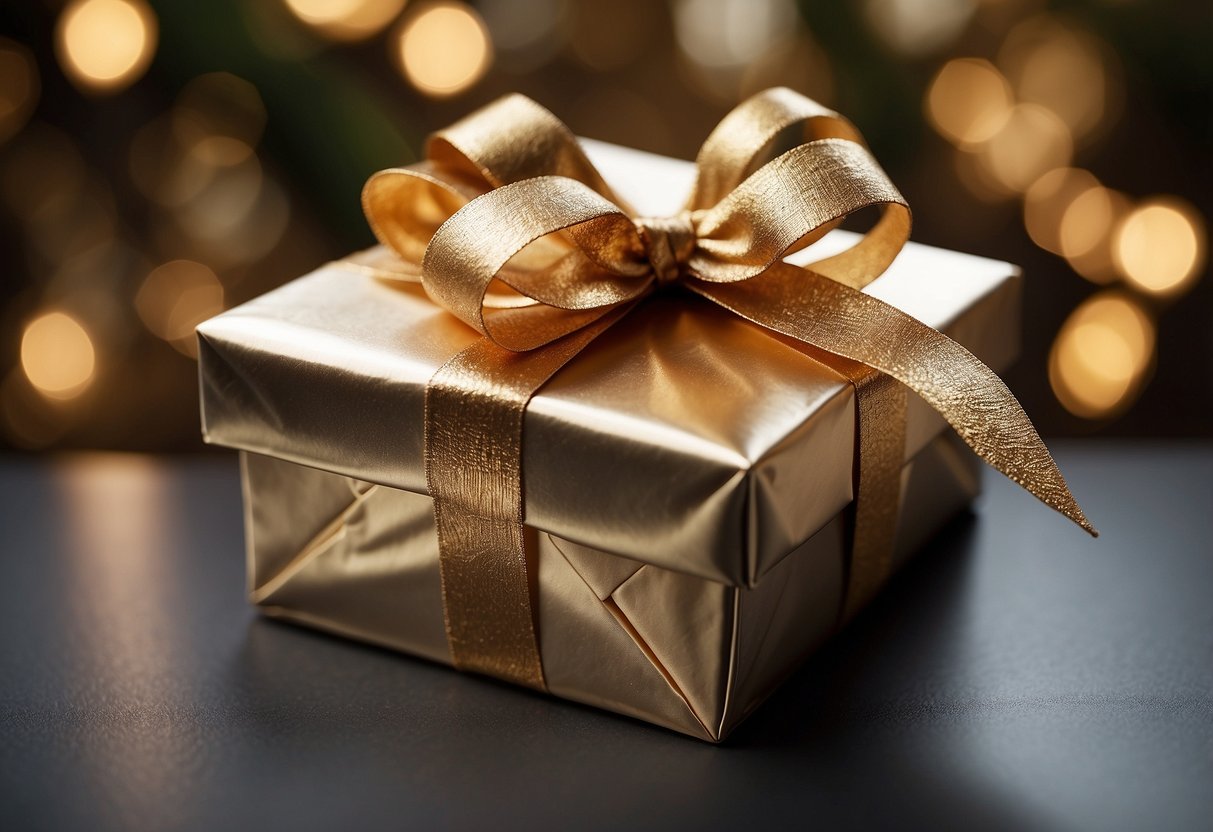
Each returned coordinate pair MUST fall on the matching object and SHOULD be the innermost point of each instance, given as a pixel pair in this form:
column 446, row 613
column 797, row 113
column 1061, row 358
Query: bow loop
column 561, row 256
column 746, row 136
column 511, row 140
column 406, row 206
column 514, row 139
column 790, row 203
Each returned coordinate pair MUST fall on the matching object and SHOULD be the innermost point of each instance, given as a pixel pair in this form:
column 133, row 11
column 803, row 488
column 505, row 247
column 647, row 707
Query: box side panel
column 788, row 615
column 286, row 507
column 346, row 556
column 607, row 653
column 801, row 466
column 690, row 654
column 794, row 609
column 361, row 561
column 942, row 481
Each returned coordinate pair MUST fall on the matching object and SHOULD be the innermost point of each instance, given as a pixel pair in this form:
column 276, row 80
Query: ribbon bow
column 507, row 225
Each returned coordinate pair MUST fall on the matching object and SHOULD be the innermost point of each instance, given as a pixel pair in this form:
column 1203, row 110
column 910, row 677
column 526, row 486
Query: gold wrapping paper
column 722, row 447
column 692, row 654
column 508, row 226
column 692, row 460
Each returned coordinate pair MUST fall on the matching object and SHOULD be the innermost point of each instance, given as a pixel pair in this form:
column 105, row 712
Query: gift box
column 688, row 477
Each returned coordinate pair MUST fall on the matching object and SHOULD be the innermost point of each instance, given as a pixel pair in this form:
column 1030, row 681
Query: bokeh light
column 176, row 297
column 1160, row 246
column 346, row 19
column 721, row 41
column 200, row 162
column 444, row 49
column 137, row 215
column 238, row 218
column 1095, row 263
column 57, row 355
column 1087, row 220
column 212, row 129
column 1031, row 142
column 1046, row 201
column 219, row 115
column 526, row 34
column 969, row 101
column 105, row 45
column 795, row 61
column 18, row 87
column 730, row 33
column 919, row 27
column 1059, row 67
column 165, row 172
column 94, row 286
column 1102, row 355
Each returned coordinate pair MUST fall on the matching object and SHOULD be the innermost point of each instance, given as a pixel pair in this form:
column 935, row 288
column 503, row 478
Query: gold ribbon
column 507, row 225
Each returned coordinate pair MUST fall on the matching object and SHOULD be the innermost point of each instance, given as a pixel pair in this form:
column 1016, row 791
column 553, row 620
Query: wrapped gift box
column 686, row 476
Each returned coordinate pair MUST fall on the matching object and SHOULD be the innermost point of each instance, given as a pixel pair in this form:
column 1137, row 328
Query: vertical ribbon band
column 880, row 447
column 474, row 407
column 473, row 464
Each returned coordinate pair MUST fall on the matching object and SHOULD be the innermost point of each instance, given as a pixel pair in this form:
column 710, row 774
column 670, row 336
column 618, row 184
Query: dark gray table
column 1018, row 676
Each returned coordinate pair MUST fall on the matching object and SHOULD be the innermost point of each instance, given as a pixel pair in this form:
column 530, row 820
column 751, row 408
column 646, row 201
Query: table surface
column 1018, row 676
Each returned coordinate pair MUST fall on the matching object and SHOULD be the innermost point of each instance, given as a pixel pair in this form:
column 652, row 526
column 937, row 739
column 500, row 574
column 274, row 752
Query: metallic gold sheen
column 695, row 655
column 721, row 446
column 473, row 417
column 509, row 227
column 967, row 393
column 743, row 139
column 511, row 140
column 791, row 202
column 728, row 245
column 879, row 450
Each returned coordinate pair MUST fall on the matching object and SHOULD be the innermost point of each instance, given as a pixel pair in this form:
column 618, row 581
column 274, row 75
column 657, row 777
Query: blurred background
column 160, row 162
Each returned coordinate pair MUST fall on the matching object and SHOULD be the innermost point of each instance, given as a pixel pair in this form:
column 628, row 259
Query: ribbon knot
column 668, row 243
column 508, row 226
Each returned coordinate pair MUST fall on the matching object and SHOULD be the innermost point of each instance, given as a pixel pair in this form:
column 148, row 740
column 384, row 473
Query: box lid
column 685, row 436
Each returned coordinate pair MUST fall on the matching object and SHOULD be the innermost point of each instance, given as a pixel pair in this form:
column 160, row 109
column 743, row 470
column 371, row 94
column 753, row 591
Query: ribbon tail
column 474, row 406
column 969, row 395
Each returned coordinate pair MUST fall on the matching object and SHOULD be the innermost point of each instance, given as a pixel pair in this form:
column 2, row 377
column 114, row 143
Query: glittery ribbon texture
column 508, row 226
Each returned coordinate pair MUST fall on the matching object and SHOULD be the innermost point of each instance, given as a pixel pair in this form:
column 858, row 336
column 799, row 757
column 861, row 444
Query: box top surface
column 684, row 436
